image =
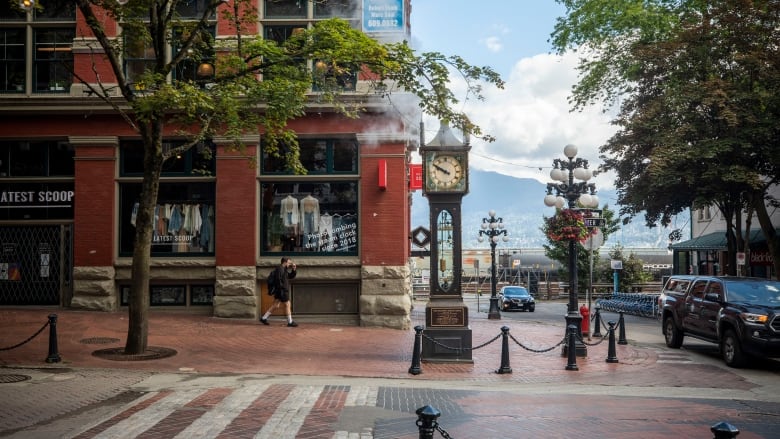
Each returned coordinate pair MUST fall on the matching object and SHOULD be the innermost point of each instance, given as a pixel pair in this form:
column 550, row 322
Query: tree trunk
column 138, row 309
column 769, row 232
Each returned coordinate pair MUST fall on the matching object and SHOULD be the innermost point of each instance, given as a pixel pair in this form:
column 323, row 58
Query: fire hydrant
column 585, row 313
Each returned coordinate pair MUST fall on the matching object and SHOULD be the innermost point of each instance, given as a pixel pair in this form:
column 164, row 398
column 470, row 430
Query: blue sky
column 531, row 117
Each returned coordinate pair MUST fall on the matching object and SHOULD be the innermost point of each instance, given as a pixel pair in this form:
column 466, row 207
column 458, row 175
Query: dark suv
column 741, row 314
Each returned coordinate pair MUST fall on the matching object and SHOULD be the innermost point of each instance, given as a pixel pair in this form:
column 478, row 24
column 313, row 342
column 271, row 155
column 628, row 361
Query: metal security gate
column 35, row 264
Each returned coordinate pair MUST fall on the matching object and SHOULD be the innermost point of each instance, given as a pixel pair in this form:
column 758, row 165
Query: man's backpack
column 271, row 281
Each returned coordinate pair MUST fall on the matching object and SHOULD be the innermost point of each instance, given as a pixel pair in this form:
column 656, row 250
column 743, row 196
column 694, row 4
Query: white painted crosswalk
column 260, row 411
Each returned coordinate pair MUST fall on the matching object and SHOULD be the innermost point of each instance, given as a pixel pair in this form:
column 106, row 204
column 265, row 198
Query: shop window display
column 310, row 217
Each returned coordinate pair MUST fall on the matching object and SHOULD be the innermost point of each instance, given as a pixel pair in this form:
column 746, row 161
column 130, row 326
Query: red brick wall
column 385, row 213
column 235, row 224
column 94, row 213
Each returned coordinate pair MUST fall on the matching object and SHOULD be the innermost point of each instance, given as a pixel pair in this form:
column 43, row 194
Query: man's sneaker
column 264, row 321
column 291, row 324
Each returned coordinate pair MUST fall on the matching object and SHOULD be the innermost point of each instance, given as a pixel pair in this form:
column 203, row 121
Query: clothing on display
column 181, row 227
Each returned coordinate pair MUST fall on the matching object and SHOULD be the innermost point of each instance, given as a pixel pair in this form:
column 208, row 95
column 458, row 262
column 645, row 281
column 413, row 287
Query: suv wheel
column 731, row 350
column 673, row 336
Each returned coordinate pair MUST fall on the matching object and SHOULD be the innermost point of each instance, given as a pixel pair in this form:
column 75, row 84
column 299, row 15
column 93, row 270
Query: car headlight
column 754, row 318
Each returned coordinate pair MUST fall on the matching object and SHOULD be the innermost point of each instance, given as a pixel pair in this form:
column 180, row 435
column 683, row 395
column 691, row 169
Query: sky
column 530, row 118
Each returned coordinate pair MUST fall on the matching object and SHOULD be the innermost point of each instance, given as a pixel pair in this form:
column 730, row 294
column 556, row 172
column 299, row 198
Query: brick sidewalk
column 212, row 345
column 474, row 400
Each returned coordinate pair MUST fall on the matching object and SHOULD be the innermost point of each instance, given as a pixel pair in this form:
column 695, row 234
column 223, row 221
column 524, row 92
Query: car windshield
column 515, row 292
column 767, row 293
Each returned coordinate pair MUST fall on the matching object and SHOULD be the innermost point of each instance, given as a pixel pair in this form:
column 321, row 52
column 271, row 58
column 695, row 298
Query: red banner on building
column 415, row 176
column 761, row 257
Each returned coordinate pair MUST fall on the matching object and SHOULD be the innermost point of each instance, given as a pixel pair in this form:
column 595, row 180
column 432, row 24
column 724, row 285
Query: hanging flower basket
column 567, row 225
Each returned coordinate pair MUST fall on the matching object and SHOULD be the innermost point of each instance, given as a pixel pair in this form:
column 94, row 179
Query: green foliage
column 558, row 250
column 632, row 272
column 699, row 89
column 257, row 85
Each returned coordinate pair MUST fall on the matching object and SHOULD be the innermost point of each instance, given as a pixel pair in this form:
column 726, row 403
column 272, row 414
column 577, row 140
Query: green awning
column 717, row 241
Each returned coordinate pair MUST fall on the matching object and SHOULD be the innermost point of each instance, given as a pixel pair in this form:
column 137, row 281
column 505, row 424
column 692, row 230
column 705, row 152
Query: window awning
column 717, row 241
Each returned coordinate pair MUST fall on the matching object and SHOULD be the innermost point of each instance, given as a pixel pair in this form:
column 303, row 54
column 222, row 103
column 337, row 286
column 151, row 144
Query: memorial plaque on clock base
column 447, row 336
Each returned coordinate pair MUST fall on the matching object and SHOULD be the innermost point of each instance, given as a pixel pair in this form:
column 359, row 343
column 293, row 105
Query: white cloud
column 531, row 120
column 493, row 44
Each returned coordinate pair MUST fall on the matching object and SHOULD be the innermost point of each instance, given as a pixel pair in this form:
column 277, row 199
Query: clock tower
column 445, row 182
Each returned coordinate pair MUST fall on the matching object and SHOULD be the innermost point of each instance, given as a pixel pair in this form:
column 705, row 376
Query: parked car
column 740, row 314
column 515, row 297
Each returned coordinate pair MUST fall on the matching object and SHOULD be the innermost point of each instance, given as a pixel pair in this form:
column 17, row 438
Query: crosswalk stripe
column 211, row 424
column 289, row 416
column 147, row 418
column 362, row 396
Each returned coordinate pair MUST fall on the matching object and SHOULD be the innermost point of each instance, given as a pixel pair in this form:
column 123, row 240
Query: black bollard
column 572, row 360
column 54, row 356
column 597, row 323
column 415, row 369
column 426, row 421
column 724, row 430
column 622, row 324
column 504, row 351
column 612, row 350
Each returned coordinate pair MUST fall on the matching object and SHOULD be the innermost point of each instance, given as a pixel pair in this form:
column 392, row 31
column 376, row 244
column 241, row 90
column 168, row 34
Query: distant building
column 706, row 251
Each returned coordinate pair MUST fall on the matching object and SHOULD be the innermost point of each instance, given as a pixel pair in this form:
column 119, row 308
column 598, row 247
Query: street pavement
column 238, row 378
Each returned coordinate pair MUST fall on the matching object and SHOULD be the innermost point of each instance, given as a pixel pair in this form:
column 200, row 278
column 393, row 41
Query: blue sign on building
column 383, row 16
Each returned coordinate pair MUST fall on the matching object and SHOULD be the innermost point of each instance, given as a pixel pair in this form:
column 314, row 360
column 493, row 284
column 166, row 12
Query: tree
column 632, row 272
column 253, row 84
column 697, row 84
column 559, row 250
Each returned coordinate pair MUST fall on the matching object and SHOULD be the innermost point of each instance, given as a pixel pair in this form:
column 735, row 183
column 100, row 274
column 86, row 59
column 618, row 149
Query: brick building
column 70, row 179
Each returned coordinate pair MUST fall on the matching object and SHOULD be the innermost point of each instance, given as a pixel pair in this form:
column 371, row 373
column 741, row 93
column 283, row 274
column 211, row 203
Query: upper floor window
column 286, row 8
column 36, row 159
column 335, row 8
column 704, row 214
column 319, row 156
column 51, row 30
column 197, row 161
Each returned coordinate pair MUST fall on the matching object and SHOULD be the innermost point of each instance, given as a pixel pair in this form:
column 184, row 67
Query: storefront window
column 310, row 217
column 184, row 213
column 36, row 159
column 183, row 219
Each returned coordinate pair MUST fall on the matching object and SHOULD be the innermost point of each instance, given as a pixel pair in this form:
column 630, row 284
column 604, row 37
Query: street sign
column 595, row 222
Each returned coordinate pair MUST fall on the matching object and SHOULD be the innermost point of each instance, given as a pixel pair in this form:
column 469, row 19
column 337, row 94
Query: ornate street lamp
column 493, row 227
column 568, row 192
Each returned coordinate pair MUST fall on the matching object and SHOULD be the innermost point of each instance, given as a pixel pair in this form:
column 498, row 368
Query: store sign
column 383, row 16
column 761, row 257
column 415, row 177
column 36, row 201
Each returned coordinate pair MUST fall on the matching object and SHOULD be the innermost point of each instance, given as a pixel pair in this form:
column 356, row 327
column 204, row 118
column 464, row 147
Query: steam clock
column 445, row 182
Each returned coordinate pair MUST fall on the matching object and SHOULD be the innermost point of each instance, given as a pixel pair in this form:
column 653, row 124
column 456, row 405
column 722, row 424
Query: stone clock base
column 436, row 344
column 447, row 337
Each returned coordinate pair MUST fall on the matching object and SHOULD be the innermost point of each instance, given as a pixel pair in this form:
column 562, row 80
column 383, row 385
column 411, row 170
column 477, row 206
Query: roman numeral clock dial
column 445, row 172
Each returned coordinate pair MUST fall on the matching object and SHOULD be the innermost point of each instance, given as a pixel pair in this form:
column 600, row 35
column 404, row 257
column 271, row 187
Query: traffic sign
column 595, row 222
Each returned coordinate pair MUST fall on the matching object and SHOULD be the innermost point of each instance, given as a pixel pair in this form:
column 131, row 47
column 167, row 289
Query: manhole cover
column 99, row 340
column 13, row 378
column 118, row 354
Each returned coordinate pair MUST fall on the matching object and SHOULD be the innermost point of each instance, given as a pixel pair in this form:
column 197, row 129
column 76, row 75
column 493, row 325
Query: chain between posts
column 28, row 340
column 537, row 351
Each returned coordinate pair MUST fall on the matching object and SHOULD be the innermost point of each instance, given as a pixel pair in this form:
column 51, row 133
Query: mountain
column 519, row 202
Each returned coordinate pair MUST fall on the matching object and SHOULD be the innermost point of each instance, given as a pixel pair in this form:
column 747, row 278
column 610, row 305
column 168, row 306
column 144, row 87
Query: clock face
column 445, row 172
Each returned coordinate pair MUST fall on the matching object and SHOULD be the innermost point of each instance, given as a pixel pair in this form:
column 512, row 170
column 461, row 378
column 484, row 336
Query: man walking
column 281, row 288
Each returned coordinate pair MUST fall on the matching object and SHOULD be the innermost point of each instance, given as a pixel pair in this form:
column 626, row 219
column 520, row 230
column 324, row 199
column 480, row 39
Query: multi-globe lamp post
column 493, row 227
column 570, row 189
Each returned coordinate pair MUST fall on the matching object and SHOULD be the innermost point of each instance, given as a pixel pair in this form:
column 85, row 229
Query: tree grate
column 13, row 378
column 118, row 354
column 99, row 340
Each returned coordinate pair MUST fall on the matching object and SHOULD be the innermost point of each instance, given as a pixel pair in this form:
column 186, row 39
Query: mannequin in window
column 310, row 214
